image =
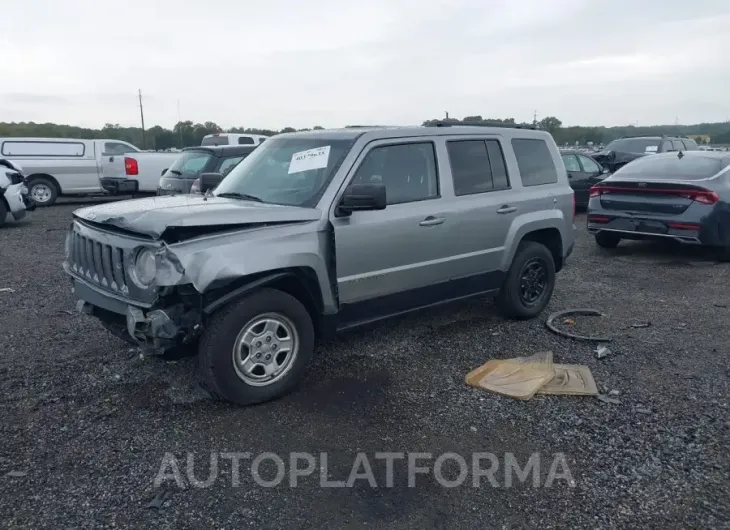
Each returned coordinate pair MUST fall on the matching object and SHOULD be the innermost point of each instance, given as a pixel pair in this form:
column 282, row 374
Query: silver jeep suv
column 320, row 232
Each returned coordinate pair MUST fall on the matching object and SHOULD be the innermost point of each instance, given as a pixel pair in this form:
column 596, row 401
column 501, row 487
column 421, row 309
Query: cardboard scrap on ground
column 523, row 377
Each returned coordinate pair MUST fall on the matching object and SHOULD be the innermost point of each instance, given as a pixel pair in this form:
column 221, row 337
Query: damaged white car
column 14, row 198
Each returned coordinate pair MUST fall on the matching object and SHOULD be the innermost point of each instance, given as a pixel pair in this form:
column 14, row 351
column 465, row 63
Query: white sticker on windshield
column 311, row 159
column 651, row 148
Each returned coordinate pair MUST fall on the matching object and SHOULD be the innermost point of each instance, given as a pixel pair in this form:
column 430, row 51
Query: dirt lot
column 85, row 421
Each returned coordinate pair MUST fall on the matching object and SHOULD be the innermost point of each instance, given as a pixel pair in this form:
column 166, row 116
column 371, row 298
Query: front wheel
column 530, row 282
column 256, row 349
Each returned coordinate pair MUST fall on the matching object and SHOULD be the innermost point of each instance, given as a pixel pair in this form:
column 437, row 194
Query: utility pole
column 534, row 118
column 141, row 115
column 447, row 114
column 179, row 125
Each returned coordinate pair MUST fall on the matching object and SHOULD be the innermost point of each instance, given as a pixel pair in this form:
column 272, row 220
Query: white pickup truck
column 70, row 166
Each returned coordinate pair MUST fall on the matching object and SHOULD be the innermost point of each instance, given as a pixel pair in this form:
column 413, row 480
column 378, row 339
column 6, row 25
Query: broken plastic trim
column 575, row 312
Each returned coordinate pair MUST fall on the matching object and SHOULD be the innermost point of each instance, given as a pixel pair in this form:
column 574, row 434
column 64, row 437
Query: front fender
column 531, row 222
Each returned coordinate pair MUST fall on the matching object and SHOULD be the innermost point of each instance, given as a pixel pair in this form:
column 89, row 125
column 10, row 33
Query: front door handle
column 507, row 209
column 432, row 221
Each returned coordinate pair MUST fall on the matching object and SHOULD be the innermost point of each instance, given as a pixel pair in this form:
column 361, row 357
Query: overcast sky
column 298, row 63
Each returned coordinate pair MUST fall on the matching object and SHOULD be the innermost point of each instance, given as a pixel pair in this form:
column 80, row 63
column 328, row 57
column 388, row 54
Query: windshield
column 190, row 164
column 294, row 171
column 214, row 140
column 634, row 145
column 671, row 167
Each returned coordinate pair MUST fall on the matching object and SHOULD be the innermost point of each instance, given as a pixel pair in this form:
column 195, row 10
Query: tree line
column 187, row 133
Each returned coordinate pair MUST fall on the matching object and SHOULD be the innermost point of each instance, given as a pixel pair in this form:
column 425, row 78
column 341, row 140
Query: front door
column 386, row 257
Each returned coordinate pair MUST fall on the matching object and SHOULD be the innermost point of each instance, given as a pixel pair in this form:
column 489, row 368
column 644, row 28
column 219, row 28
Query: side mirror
column 363, row 197
column 604, row 171
column 208, row 181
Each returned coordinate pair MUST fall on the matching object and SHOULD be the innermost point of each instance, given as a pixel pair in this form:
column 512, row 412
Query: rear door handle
column 507, row 209
column 432, row 221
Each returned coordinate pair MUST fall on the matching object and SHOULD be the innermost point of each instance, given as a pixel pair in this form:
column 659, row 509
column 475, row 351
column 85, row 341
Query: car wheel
column 530, row 282
column 256, row 349
column 3, row 212
column 42, row 191
column 607, row 240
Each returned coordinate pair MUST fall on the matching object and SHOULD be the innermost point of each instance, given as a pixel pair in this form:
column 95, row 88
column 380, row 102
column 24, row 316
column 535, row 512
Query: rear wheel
column 256, row 349
column 530, row 282
column 607, row 240
column 42, row 191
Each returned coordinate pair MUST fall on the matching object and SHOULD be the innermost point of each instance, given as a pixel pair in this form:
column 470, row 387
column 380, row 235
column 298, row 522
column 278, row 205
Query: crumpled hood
column 152, row 216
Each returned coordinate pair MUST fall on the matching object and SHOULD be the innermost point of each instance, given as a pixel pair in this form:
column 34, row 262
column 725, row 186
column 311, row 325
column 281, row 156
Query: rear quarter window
column 671, row 167
column 534, row 161
column 215, row 140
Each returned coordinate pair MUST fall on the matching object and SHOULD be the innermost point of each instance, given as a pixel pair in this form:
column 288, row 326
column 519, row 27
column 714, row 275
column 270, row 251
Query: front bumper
column 155, row 329
column 117, row 185
column 18, row 200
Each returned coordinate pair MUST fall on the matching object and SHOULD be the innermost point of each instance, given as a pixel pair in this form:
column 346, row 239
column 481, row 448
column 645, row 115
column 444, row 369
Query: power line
column 141, row 115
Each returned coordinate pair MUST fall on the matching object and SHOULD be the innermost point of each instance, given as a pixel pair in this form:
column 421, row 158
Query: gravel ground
column 86, row 421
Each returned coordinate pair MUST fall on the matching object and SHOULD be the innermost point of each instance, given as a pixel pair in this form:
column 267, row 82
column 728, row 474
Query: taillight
column 701, row 196
column 705, row 197
column 130, row 166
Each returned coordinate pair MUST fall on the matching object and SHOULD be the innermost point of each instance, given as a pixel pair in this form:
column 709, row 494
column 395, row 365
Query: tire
column 43, row 191
column 511, row 302
column 221, row 377
column 607, row 240
column 3, row 212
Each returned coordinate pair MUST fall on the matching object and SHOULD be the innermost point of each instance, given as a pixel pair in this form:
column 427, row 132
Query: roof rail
column 482, row 124
column 368, row 126
column 653, row 136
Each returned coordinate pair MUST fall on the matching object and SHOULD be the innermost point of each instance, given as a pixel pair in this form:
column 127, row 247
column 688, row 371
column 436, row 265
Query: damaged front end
column 131, row 284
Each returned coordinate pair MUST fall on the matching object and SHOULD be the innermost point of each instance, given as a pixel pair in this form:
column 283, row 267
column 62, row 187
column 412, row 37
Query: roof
column 223, row 150
column 714, row 155
column 394, row 131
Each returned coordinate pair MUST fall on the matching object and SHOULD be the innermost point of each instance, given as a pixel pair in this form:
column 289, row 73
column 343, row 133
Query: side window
column 115, row 149
column 535, row 162
column 228, row 164
column 589, row 165
column 571, row 163
column 690, row 144
column 475, row 167
column 245, row 140
column 407, row 170
column 678, row 145
column 667, row 146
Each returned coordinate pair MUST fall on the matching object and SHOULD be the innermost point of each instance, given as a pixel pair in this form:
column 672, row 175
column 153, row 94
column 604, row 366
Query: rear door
column 480, row 210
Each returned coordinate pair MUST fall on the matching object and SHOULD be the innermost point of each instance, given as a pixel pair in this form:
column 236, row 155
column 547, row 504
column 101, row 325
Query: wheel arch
column 299, row 282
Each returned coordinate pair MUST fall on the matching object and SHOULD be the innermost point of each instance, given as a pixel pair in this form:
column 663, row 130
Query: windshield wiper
column 242, row 196
column 175, row 172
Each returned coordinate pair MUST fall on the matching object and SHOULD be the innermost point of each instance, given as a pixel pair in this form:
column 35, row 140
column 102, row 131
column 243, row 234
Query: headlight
column 145, row 268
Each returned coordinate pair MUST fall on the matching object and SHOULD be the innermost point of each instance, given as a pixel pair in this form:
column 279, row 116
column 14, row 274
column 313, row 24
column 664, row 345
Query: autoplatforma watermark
column 378, row 470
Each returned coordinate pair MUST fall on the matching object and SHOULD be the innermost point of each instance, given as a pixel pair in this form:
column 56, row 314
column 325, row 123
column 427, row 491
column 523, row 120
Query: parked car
column 681, row 197
column 232, row 139
column 14, row 198
column 194, row 161
column 324, row 231
column 623, row 150
column 583, row 172
column 70, row 166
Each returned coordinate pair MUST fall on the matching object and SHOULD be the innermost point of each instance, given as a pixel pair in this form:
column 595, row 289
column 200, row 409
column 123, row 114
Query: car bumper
column 155, row 329
column 116, row 186
column 16, row 195
column 645, row 228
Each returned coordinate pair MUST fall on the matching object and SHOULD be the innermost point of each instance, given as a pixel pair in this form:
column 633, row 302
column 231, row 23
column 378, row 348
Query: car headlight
column 144, row 270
